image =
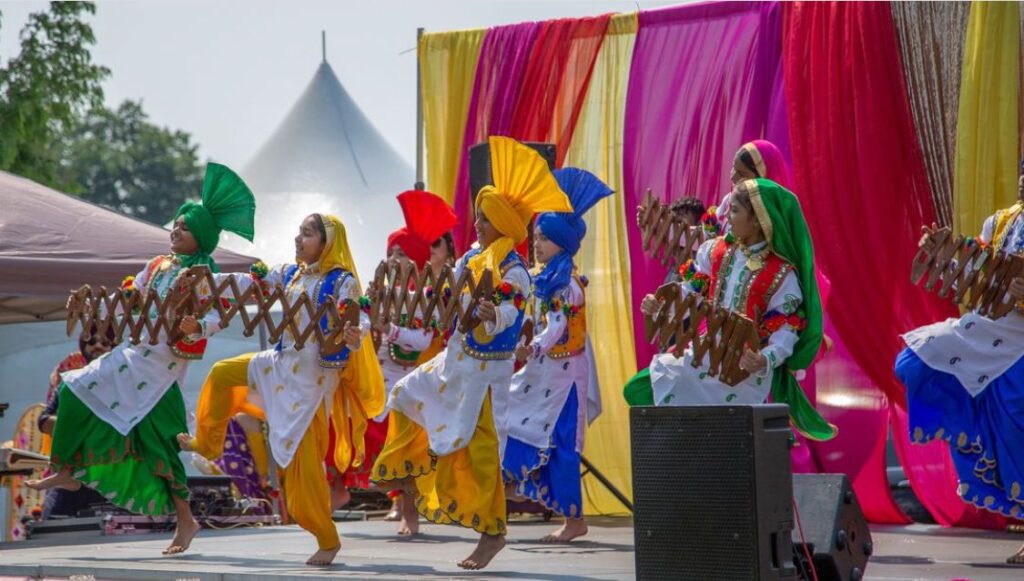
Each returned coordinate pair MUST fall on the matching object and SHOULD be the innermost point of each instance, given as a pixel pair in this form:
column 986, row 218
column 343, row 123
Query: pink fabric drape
column 499, row 74
column 704, row 80
column 847, row 398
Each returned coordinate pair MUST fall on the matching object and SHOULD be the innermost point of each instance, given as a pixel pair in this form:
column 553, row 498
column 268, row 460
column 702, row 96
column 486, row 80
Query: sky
column 228, row 71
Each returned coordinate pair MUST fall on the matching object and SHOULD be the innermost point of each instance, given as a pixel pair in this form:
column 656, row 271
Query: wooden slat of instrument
column 727, row 334
column 401, row 290
column 665, row 237
column 977, row 277
column 128, row 312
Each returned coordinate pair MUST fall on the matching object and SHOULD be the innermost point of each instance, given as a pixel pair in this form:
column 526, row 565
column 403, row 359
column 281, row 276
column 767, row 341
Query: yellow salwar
column 304, row 480
column 463, row 487
column 223, row 395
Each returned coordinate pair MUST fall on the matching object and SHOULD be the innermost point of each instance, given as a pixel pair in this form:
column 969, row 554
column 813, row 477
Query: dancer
column 447, row 424
column 547, row 408
column 119, row 415
column 965, row 382
column 426, row 241
column 765, row 270
column 299, row 390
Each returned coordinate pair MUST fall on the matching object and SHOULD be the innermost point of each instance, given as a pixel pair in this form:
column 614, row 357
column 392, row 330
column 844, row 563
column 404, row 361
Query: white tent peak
column 326, row 156
column 326, row 143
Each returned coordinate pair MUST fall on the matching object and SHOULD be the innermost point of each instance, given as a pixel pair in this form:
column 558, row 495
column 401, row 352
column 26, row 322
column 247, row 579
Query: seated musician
column 965, row 384
column 764, row 270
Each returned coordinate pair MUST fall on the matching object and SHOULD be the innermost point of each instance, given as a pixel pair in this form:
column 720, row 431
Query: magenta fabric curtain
column 704, row 80
column 499, row 74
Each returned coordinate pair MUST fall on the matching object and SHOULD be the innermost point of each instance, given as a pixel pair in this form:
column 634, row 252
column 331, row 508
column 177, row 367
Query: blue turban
column 567, row 229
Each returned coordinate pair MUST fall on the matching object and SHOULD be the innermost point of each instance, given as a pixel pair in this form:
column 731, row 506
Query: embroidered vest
column 477, row 343
column 1004, row 218
column 757, row 289
column 181, row 348
column 574, row 339
column 325, row 287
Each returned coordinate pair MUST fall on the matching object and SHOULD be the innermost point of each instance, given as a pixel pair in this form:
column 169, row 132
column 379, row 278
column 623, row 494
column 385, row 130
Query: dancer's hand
column 753, row 362
column 189, row 326
column 487, row 311
column 927, row 231
column 523, row 353
column 352, row 336
column 650, row 305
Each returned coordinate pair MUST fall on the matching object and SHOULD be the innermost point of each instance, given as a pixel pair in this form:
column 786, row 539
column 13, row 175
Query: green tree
column 120, row 160
column 46, row 88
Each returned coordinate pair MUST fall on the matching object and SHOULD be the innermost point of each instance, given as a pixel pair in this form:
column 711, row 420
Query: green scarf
column 228, row 204
column 778, row 211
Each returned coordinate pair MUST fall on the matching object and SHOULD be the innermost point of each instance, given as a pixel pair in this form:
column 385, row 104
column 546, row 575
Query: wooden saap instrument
column 131, row 313
column 665, row 237
column 977, row 277
column 728, row 332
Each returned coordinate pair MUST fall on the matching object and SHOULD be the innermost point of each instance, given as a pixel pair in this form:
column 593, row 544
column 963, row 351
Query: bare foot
column 183, row 535
column 61, row 479
column 185, row 443
column 486, row 549
column 1017, row 558
column 573, row 528
column 323, row 557
column 396, row 509
column 340, row 496
column 410, row 525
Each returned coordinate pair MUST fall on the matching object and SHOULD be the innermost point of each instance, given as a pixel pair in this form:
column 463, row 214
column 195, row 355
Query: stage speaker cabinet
column 835, row 532
column 712, row 493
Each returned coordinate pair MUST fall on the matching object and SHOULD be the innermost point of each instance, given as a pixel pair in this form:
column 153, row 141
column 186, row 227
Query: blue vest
column 477, row 343
column 324, row 288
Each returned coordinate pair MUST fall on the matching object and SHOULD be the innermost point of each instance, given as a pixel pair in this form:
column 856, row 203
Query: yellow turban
column 523, row 186
column 360, row 393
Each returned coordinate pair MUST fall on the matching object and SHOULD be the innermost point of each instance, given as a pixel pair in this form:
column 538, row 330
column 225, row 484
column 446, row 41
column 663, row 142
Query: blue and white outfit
column 965, row 385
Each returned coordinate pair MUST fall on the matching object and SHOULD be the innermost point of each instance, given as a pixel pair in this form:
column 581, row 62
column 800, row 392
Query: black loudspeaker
column 480, row 163
column 712, row 492
column 835, row 532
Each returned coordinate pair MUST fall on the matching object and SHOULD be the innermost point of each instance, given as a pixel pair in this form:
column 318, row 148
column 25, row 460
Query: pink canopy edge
column 51, row 242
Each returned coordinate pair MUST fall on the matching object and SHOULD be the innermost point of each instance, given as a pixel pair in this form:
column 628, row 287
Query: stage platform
column 370, row 551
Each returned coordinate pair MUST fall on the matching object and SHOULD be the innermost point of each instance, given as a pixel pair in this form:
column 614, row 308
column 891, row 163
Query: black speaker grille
column 693, row 488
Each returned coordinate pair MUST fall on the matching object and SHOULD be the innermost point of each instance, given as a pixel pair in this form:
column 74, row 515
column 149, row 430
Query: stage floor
column 369, row 551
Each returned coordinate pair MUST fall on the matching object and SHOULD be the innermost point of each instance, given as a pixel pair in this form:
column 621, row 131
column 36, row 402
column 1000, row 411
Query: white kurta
column 540, row 389
column 445, row 394
column 975, row 349
column 676, row 381
column 123, row 386
column 289, row 383
column 408, row 340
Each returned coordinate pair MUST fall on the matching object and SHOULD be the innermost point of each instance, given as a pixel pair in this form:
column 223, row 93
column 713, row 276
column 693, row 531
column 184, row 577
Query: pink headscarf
column 770, row 162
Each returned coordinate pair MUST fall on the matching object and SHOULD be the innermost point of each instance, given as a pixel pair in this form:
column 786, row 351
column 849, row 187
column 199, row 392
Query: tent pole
column 419, row 116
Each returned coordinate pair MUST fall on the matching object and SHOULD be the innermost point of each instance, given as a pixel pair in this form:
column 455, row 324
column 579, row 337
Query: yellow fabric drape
column 604, row 259
column 987, row 139
column 447, row 71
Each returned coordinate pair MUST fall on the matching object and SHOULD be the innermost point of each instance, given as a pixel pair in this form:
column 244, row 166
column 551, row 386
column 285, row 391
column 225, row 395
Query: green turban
column 228, row 204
